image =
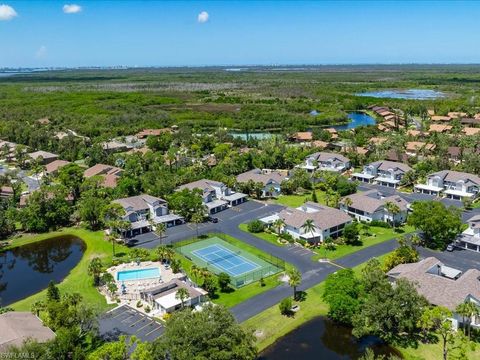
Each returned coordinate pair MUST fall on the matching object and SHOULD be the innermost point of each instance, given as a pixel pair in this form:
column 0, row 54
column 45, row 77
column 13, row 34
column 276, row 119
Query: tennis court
column 226, row 260
column 218, row 256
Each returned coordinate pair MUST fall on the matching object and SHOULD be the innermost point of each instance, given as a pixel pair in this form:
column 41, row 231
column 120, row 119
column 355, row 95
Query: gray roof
column 386, row 165
column 16, row 327
column 205, row 185
column 454, row 176
column 371, row 201
column 325, row 218
column 437, row 289
column 257, row 175
column 139, row 202
column 328, row 156
column 43, row 154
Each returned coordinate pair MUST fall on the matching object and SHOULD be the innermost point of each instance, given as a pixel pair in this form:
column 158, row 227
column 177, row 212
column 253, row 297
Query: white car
column 450, row 247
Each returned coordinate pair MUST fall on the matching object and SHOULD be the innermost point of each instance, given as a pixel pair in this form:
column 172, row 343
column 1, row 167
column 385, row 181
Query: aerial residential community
column 188, row 209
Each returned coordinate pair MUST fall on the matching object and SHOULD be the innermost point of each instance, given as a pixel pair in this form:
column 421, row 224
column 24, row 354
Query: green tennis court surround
column 218, row 256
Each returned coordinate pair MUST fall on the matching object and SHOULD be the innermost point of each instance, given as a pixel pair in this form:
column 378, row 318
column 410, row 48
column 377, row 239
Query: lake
column 356, row 119
column 409, row 94
column 28, row 269
column 320, row 338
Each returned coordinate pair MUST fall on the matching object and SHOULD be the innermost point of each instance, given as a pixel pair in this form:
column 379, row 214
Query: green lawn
column 274, row 325
column 78, row 280
column 241, row 294
column 271, row 238
column 377, row 236
column 298, row 200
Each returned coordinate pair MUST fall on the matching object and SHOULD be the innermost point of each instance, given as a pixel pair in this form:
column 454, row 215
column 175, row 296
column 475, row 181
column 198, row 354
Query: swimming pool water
column 139, row 274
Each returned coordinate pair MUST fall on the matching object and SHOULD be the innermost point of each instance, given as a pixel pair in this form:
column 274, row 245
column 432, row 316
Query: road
column 312, row 272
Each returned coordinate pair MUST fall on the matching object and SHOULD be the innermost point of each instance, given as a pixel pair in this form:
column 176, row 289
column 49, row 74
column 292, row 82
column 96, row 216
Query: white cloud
column 202, row 17
column 72, row 9
column 41, row 52
column 7, row 12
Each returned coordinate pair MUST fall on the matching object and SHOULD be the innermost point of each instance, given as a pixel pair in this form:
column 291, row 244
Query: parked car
column 450, row 247
column 213, row 219
column 295, row 308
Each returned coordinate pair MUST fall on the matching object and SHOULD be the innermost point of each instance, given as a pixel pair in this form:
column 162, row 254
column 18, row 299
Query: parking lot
column 125, row 320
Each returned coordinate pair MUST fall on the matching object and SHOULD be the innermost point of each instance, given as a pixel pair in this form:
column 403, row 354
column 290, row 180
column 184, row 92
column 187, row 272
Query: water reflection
column 323, row 339
column 28, row 269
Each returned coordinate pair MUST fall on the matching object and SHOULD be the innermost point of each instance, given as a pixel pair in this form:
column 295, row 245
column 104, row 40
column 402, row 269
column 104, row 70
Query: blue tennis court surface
column 225, row 260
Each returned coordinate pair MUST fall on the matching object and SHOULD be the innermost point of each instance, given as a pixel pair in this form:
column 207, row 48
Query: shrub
column 285, row 306
column 139, row 304
column 286, row 236
column 262, row 282
column 255, row 226
column 147, row 309
column 379, row 223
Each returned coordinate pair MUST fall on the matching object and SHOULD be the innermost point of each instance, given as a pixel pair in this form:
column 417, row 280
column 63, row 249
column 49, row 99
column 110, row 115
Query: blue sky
column 149, row 33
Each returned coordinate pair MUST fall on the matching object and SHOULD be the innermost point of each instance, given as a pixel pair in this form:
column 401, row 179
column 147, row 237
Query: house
column 376, row 141
column 469, row 131
column 163, row 298
column 470, row 121
column 7, row 150
column 6, row 192
column 431, row 112
column 152, row 132
column 372, row 205
column 333, row 133
column 301, row 136
column 439, row 128
column 386, row 173
column 454, row 153
column 115, row 146
column 326, row 161
column 417, row 133
column 328, row 222
column 18, row 326
column 456, row 114
column 44, row 157
column 270, row 179
column 110, row 174
column 53, row 167
column 216, row 196
column 320, row 144
column 44, row 121
column 143, row 210
column 470, row 238
column 440, row 118
column 454, row 184
column 442, row 285
column 417, row 148
column 395, row 156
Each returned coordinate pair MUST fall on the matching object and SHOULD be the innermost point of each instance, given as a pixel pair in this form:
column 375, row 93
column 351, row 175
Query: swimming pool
column 138, row 274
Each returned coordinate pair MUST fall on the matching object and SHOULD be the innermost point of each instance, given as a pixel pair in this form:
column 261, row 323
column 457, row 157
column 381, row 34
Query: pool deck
column 134, row 287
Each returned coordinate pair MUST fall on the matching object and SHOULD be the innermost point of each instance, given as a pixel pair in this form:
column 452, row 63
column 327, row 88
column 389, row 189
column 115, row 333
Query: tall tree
column 294, row 280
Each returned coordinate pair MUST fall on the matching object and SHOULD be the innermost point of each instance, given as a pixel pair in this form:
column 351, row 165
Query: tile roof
column 258, row 175
column 454, row 176
column 44, row 154
column 327, row 156
column 302, row 136
column 55, row 165
column 387, row 165
column 437, row 289
column 325, row 218
column 205, row 185
column 139, row 202
column 469, row 131
column 371, row 201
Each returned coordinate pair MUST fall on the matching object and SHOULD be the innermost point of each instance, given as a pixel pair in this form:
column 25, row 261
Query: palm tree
column 161, row 252
column 182, row 295
column 37, row 307
column 348, row 202
column 278, row 224
column 95, row 268
column 197, row 219
column 113, row 239
column 195, row 272
column 309, row 227
column 160, row 231
column 294, row 280
column 467, row 310
column 393, row 210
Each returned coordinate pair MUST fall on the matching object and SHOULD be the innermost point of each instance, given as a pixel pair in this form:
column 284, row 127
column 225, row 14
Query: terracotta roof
column 419, row 145
column 437, row 289
column 43, row 121
column 377, row 140
column 456, row 114
column 320, row 144
column 394, row 156
column 6, row 191
column 325, row 218
column 55, row 165
column 416, row 133
column 302, row 136
column 440, row 118
column 16, row 327
column 258, row 175
column 469, row 131
column 152, row 132
column 431, row 112
column 110, row 174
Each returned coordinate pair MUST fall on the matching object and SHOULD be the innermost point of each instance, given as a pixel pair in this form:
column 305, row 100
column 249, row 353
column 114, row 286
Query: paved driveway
column 460, row 259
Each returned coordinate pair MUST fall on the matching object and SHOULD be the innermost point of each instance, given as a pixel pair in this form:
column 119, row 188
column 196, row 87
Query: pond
column 356, row 119
column 320, row 338
column 409, row 94
column 28, row 269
